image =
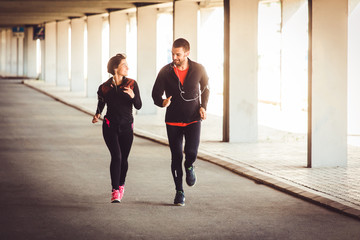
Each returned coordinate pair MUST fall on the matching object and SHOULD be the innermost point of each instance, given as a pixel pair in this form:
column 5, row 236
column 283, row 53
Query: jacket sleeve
column 137, row 99
column 101, row 101
column 204, row 88
column 158, row 90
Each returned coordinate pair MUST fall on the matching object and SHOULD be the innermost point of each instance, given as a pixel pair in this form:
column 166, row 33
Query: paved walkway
column 278, row 159
column 55, row 184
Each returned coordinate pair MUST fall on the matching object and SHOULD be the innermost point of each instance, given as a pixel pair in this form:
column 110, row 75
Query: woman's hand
column 129, row 91
column 96, row 118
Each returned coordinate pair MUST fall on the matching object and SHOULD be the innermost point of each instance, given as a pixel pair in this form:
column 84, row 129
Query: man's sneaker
column 115, row 196
column 190, row 176
column 179, row 198
column 121, row 191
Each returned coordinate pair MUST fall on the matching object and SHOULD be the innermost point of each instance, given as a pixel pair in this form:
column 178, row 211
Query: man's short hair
column 181, row 42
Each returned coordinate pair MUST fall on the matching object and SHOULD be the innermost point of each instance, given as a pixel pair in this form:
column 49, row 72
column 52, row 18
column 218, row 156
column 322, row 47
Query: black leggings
column 118, row 139
column 192, row 140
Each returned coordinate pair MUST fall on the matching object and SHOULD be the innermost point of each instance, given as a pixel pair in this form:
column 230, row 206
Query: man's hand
column 96, row 118
column 167, row 102
column 202, row 112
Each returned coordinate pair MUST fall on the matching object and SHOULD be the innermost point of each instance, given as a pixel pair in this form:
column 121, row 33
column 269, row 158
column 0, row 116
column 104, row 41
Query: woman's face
column 122, row 68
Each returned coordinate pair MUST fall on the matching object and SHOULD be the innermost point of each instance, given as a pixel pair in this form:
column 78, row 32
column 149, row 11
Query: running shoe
column 121, row 191
column 115, row 196
column 179, row 198
column 190, row 176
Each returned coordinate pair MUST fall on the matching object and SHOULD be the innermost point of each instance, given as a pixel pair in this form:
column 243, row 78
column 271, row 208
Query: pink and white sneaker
column 115, row 196
column 121, row 191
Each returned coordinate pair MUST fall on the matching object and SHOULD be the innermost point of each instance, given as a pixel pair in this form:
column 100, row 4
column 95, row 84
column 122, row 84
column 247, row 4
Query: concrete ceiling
column 34, row 12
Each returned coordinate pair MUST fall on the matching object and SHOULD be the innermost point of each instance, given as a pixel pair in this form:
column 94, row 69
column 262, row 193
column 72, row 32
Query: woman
column 119, row 93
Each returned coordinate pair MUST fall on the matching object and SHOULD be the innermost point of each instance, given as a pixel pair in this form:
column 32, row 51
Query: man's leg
column 175, row 137
column 192, row 140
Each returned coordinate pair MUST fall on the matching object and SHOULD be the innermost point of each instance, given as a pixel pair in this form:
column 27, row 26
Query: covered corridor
column 68, row 44
column 55, row 184
column 68, row 50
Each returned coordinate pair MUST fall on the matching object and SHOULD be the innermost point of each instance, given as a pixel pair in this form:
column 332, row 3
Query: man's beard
column 178, row 63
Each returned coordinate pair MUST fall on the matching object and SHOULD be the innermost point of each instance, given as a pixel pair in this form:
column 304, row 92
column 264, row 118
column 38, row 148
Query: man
column 185, row 84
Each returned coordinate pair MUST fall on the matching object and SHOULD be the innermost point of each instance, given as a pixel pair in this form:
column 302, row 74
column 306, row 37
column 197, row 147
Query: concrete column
column 31, row 66
column 131, row 44
column 212, row 60
column 185, row 24
column 354, row 69
column 2, row 51
column 77, row 82
column 146, row 20
column 118, row 21
column 328, row 84
column 8, row 50
column 42, row 47
column 25, row 54
column 95, row 26
column 243, row 63
column 14, row 55
column 62, row 62
column 20, row 56
column 294, row 38
column 50, row 52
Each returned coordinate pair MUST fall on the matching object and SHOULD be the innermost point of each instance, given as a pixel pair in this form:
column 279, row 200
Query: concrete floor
column 55, row 184
column 278, row 159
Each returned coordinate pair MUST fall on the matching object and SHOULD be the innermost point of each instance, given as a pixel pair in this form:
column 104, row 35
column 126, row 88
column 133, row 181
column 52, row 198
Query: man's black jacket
column 186, row 99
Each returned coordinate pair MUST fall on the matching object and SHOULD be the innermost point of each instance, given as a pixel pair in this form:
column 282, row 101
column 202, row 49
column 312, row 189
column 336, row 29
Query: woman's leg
column 110, row 135
column 125, row 140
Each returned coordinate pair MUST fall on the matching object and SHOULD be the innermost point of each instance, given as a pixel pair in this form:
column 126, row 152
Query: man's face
column 179, row 56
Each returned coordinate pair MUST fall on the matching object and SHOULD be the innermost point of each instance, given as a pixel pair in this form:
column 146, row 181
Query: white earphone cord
column 182, row 91
column 192, row 99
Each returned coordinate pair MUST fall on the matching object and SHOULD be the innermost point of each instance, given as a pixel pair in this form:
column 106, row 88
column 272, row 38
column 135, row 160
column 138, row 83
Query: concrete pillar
column 50, row 52
column 95, row 26
column 212, row 60
column 77, row 82
column 131, row 43
column 62, row 61
column 42, row 72
column 294, row 38
column 146, row 64
column 20, row 56
column 2, row 51
column 13, row 55
column 31, row 51
column 328, row 84
column 117, row 21
column 185, row 24
column 354, row 69
column 25, row 54
column 8, row 50
column 243, row 63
